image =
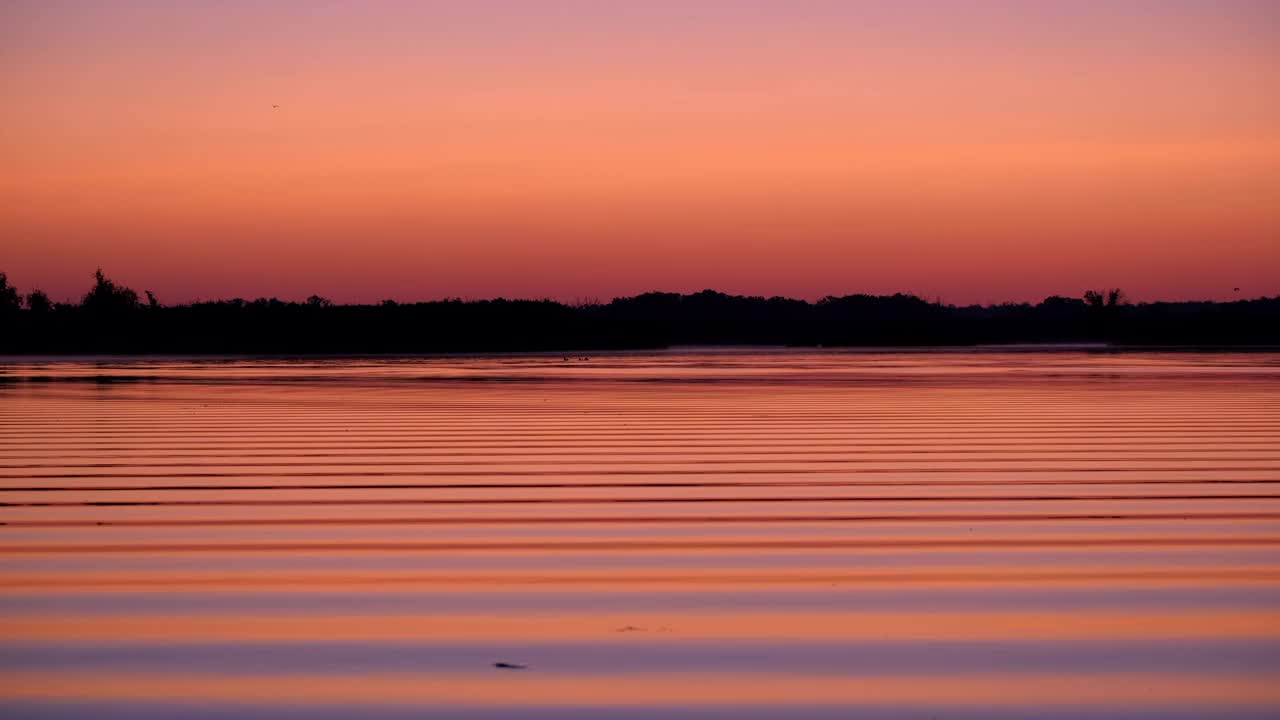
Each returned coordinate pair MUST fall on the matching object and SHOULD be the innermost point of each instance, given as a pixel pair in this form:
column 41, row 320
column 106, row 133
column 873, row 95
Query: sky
column 975, row 151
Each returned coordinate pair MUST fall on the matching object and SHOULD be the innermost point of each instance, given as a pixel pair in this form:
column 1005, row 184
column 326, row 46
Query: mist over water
column 685, row 534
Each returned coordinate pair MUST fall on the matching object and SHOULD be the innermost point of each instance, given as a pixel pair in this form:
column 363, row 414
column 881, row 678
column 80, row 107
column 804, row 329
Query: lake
column 684, row 534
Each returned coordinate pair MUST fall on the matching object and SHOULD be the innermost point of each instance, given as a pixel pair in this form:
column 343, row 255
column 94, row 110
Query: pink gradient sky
column 973, row 151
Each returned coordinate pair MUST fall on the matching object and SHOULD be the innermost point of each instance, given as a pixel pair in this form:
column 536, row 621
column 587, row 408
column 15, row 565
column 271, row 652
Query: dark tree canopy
column 10, row 300
column 110, row 318
column 107, row 297
column 38, row 302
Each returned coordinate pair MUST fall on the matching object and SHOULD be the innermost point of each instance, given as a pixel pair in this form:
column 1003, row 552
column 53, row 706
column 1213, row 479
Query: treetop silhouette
column 111, row 318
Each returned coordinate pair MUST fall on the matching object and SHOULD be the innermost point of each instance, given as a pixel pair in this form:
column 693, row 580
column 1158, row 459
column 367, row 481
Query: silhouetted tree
column 10, row 300
column 1061, row 304
column 645, row 321
column 1105, row 298
column 107, row 297
column 38, row 302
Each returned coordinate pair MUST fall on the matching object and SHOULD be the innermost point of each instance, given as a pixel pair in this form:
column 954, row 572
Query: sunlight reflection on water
column 725, row 533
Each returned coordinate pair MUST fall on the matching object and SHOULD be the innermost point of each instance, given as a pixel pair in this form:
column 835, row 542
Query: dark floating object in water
column 509, row 666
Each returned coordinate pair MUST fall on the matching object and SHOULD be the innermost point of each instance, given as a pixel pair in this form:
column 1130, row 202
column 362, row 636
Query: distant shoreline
column 1027, row 348
column 113, row 320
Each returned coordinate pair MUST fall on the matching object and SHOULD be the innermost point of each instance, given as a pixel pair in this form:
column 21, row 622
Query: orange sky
column 976, row 151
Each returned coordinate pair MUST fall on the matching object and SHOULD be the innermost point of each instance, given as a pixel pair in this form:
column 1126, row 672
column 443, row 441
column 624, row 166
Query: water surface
column 738, row 534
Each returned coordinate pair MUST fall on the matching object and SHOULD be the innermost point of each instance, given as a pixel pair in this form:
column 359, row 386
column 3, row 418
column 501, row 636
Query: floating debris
column 633, row 628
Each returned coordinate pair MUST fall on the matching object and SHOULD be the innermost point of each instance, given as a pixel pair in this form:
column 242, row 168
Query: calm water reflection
column 742, row 534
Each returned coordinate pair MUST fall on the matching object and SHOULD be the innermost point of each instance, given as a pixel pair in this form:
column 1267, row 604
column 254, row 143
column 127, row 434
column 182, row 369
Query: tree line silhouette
column 111, row 318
